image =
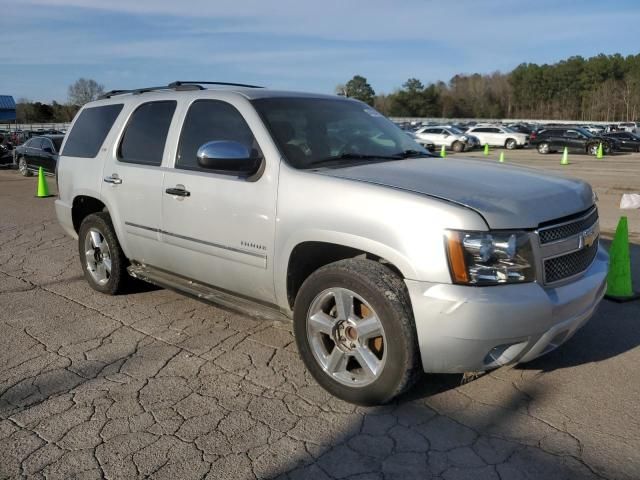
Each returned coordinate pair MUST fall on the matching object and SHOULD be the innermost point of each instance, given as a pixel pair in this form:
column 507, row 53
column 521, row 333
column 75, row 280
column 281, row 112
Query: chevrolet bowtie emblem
column 588, row 237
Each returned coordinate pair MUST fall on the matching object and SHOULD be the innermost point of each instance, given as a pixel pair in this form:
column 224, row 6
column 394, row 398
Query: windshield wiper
column 353, row 156
column 412, row 154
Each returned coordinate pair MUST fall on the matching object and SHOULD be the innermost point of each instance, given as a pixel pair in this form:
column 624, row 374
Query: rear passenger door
column 219, row 228
column 48, row 156
column 132, row 179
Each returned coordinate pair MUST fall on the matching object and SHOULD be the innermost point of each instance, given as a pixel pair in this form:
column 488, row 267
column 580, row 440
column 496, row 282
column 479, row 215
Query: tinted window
column 47, row 143
column 481, row 130
column 57, row 142
column 494, row 130
column 35, row 143
column 207, row 121
column 433, row 131
column 146, row 133
column 90, row 130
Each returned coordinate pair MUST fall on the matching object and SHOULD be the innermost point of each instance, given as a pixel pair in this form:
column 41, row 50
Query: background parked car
column 628, row 141
column 38, row 152
column 496, row 136
column 450, row 137
column 575, row 139
column 628, row 127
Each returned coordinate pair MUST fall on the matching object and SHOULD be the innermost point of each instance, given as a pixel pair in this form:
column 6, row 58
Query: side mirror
column 229, row 157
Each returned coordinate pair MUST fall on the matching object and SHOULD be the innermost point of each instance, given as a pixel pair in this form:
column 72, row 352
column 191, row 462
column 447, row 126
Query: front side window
column 208, row 121
column 314, row 131
column 146, row 133
column 90, row 129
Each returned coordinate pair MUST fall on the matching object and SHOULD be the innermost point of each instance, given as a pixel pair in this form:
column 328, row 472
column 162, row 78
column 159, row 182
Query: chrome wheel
column 97, row 256
column 511, row 144
column 543, row 148
column 22, row 167
column 346, row 337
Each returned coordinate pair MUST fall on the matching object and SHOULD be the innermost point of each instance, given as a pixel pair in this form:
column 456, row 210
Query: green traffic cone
column 501, row 159
column 619, row 287
column 486, row 149
column 599, row 153
column 565, row 157
column 443, row 152
column 43, row 188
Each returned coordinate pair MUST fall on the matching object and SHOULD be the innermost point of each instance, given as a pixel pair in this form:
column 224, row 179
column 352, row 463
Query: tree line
column 82, row 91
column 600, row 88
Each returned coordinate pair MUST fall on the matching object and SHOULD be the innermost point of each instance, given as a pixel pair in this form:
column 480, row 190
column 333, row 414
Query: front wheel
column 543, row 148
column 592, row 149
column 457, row 146
column 510, row 144
column 355, row 331
column 23, row 168
column 103, row 261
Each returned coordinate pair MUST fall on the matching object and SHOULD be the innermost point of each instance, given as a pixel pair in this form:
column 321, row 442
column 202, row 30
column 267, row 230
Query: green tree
column 359, row 88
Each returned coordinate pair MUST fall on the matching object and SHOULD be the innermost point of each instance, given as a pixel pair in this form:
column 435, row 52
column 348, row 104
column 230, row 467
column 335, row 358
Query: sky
column 45, row 45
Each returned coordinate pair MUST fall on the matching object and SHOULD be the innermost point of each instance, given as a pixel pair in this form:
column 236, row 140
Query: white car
column 451, row 137
column 495, row 136
column 630, row 127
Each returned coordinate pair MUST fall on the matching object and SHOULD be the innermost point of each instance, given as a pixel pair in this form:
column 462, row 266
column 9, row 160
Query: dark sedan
column 627, row 141
column 38, row 152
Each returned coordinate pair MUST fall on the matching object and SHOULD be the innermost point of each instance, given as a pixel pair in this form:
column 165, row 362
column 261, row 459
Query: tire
column 457, row 146
column 115, row 278
column 23, row 168
column 374, row 292
column 592, row 149
column 543, row 148
column 511, row 144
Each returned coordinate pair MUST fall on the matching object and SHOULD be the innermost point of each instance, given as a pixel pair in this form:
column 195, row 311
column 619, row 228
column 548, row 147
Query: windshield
column 455, row 131
column 509, row 130
column 314, row 131
column 586, row 133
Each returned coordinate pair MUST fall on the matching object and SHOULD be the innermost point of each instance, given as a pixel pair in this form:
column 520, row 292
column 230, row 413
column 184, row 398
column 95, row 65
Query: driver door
column 217, row 228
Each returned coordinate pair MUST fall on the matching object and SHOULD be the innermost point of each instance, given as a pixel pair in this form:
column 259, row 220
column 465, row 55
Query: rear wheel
column 355, row 331
column 103, row 261
column 510, row 144
column 457, row 146
column 543, row 148
column 23, row 168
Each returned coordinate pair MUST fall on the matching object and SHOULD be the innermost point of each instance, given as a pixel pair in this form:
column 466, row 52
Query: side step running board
column 205, row 293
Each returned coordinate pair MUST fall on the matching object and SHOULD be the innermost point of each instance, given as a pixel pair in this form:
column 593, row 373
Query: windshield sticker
column 372, row 112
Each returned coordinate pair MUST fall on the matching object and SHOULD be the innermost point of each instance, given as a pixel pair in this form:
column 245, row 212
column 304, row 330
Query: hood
column 508, row 197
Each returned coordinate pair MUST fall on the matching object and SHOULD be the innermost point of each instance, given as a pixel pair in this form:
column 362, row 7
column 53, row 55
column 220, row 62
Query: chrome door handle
column 178, row 191
column 114, row 179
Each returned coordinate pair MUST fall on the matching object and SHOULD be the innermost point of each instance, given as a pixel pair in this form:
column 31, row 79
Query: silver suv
column 390, row 261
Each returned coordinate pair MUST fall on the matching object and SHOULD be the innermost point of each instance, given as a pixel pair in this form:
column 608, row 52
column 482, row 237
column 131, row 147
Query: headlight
column 464, row 138
column 490, row 258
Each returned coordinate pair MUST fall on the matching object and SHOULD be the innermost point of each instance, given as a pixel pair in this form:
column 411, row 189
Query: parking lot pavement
column 157, row 384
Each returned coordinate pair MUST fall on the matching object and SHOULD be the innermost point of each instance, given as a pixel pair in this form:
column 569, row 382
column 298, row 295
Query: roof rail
column 178, row 85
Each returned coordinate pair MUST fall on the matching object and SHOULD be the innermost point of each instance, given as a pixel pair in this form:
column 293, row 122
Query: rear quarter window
column 90, row 129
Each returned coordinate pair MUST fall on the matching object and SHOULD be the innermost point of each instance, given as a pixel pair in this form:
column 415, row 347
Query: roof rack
column 179, row 85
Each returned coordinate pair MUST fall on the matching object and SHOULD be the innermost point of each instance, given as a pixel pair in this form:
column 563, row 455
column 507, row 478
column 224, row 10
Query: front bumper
column 469, row 329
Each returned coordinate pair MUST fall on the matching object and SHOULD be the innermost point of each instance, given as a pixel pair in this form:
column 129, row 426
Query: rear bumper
column 63, row 212
column 464, row 329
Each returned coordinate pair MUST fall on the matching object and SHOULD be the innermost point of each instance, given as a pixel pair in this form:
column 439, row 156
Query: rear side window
column 146, row 133
column 210, row 120
column 90, row 130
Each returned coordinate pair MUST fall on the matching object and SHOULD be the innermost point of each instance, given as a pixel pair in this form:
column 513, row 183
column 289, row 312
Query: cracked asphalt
column 155, row 384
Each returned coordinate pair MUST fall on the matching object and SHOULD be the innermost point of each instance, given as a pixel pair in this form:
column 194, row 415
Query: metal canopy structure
column 7, row 108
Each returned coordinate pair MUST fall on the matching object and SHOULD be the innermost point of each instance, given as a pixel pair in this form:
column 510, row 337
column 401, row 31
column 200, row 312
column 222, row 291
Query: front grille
column 553, row 234
column 565, row 266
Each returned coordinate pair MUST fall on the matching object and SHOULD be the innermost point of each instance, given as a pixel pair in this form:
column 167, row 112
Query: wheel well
column 308, row 257
column 83, row 206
